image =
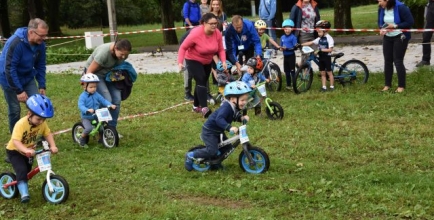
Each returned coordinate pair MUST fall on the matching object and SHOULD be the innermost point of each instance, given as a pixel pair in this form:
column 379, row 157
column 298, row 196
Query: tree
column 53, row 17
column 342, row 14
column 5, row 27
column 167, row 20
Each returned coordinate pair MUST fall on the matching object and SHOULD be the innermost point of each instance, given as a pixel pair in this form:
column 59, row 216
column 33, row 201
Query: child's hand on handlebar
column 245, row 119
column 54, row 149
column 29, row 152
column 91, row 110
column 233, row 130
column 112, row 107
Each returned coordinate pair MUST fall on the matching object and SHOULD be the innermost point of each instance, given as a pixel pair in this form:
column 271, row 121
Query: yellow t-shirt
column 27, row 134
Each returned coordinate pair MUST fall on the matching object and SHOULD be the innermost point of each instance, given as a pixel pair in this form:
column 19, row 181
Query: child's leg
column 323, row 79
column 331, row 79
column 211, row 141
column 21, row 166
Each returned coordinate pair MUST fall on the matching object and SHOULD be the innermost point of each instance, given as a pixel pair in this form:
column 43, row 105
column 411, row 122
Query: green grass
column 354, row 153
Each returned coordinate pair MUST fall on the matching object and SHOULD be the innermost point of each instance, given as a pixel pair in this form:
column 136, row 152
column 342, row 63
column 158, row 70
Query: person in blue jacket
column 21, row 62
column 191, row 13
column 393, row 16
column 241, row 36
column 89, row 101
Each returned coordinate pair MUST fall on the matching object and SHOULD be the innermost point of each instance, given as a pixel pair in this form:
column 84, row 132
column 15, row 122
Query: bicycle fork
column 246, row 147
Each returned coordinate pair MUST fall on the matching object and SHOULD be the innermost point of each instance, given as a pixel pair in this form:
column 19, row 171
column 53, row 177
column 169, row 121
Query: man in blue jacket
column 241, row 36
column 21, row 62
column 191, row 13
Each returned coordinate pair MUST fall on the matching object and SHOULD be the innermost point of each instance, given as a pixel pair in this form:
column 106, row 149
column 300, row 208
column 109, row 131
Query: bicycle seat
column 337, row 55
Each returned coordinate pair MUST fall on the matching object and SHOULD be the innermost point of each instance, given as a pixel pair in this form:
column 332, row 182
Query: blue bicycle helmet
column 288, row 22
column 220, row 65
column 236, row 89
column 40, row 105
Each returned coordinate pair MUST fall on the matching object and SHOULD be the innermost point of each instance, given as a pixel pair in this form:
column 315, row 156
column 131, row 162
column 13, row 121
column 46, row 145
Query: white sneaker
column 120, row 135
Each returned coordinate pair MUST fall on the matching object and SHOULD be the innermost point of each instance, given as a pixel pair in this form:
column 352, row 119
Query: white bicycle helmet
column 260, row 24
column 89, row 78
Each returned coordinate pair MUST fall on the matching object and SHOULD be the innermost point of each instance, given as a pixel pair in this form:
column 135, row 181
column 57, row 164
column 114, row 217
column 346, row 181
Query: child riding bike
column 252, row 77
column 237, row 94
column 26, row 132
column 89, row 101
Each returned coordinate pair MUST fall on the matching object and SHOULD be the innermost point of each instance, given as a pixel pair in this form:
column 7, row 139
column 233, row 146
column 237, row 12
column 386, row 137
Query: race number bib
column 44, row 161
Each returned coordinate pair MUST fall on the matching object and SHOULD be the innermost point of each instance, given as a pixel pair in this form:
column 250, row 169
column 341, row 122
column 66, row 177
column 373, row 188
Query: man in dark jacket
column 21, row 62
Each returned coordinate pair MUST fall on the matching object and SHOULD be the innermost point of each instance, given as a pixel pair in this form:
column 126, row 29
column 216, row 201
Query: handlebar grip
column 231, row 132
column 244, row 121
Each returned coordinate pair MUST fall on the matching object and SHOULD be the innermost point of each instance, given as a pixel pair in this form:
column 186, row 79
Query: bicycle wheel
column 356, row 70
column 275, row 83
column 303, row 79
column 11, row 191
column 110, row 137
column 260, row 157
column 277, row 111
column 60, row 190
column 200, row 166
column 77, row 130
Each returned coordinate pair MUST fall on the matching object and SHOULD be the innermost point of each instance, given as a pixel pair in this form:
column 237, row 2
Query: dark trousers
column 289, row 68
column 20, row 163
column 244, row 55
column 200, row 73
column 427, row 35
column 393, row 51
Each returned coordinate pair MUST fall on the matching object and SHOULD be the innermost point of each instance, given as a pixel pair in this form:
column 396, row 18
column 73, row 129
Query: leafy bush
column 67, row 55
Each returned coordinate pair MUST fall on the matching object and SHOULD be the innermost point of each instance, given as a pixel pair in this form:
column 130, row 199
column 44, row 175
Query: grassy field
column 354, row 153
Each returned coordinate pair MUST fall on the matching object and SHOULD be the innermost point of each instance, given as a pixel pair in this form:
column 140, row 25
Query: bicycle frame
column 33, row 173
column 235, row 141
column 315, row 59
column 263, row 98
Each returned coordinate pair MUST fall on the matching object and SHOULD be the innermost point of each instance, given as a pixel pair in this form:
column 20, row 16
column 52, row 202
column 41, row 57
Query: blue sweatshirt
column 220, row 120
column 21, row 62
column 288, row 41
column 248, row 38
column 91, row 101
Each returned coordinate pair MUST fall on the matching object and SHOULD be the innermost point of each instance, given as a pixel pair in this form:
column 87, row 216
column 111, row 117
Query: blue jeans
column 271, row 32
column 112, row 94
column 14, row 109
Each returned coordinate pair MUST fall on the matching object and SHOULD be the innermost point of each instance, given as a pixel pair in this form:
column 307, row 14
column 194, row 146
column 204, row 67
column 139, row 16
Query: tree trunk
column 53, row 17
column 167, row 21
column 5, row 26
column 342, row 16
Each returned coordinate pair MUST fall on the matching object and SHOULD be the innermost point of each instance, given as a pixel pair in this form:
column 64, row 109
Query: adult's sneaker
column 422, row 63
column 25, row 199
column 188, row 97
column 189, row 161
column 206, row 112
column 197, row 109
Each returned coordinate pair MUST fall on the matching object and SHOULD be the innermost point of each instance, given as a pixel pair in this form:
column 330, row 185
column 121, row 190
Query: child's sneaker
column 206, row 112
column 323, row 90
column 25, row 199
column 188, row 161
column 82, row 142
column 197, row 109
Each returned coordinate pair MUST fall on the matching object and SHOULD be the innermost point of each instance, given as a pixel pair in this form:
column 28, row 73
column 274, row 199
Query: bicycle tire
column 356, row 70
column 61, row 190
column 277, row 111
column 198, row 166
column 275, row 74
column 110, row 137
column 303, row 79
column 76, row 132
column 11, row 191
column 262, row 161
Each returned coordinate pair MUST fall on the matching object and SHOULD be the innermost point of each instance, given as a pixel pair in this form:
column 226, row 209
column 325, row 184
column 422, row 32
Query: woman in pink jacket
column 198, row 49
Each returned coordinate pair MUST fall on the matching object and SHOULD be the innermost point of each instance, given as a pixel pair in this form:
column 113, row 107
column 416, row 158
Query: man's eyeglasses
column 41, row 36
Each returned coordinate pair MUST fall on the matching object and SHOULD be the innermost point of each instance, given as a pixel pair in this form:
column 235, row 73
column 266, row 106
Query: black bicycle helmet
column 255, row 63
column 323, row 24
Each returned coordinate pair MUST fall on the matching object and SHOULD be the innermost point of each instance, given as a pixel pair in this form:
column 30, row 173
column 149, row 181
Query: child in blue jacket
column 236, row 94
column 252, row 77
column 89, row 101
column 288, row 43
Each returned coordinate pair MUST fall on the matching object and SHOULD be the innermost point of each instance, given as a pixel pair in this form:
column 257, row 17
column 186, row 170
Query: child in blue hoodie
column 288, row 43
column 88, row 102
